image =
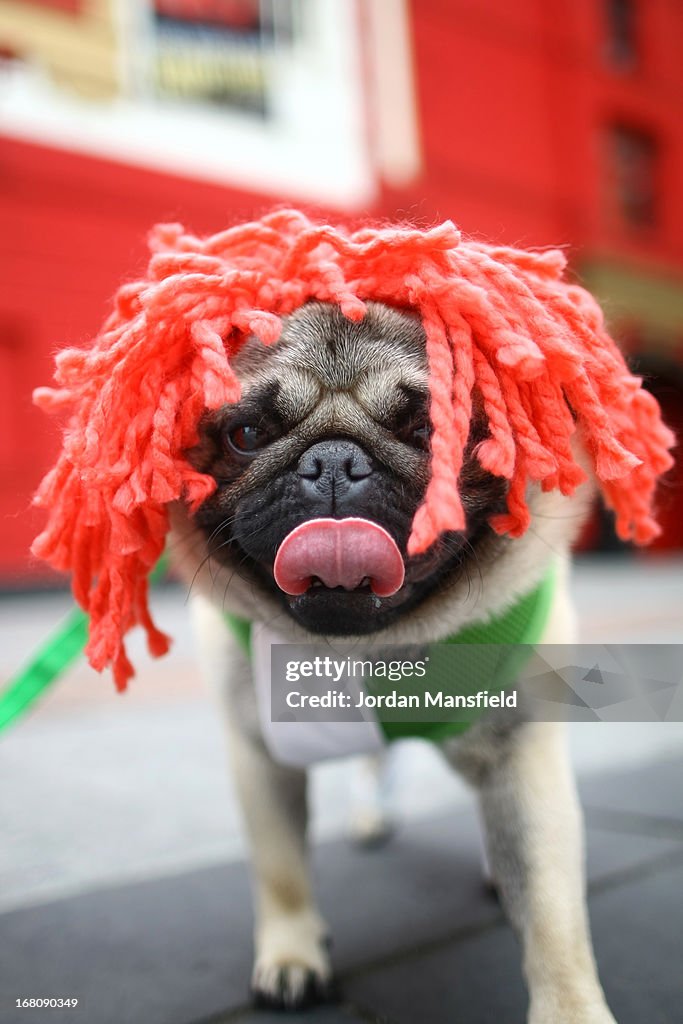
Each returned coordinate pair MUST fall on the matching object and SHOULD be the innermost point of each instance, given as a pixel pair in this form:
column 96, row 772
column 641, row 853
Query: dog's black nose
column 333, row 468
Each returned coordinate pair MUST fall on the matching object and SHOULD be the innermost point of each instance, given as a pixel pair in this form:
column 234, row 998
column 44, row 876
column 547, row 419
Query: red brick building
column 528, row 123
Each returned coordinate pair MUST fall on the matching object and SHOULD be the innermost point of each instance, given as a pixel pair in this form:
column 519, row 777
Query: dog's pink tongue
column 341, row 553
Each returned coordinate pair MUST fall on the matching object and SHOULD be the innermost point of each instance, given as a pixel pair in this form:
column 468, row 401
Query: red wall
column 70, row 227
column 513, row 103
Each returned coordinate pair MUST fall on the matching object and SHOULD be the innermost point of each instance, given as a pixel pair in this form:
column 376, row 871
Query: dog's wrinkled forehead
column 324, row 353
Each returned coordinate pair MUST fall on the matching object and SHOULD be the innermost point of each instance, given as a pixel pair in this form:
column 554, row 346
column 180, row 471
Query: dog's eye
column 416, row 432
column 420, row 436
column 247, row 439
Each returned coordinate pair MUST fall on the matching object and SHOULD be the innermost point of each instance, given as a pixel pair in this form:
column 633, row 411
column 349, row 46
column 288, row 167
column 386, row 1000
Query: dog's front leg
column 535, row 844
column 292, row 966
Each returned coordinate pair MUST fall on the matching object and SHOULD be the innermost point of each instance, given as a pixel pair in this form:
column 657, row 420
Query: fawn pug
column 332, row 429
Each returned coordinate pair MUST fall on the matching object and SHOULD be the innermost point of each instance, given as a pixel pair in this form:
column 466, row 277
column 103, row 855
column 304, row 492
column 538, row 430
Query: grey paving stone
column 166, row 951
column 320, row 1015
column 654, row 791
column 472, row 982
column 612, row 855
column 178, row 949
column 637, row 929
column 428, row 882
column 410, row 891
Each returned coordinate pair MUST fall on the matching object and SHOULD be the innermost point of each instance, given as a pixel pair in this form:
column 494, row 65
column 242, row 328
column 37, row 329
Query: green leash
column 63, row 646
column 52, row 658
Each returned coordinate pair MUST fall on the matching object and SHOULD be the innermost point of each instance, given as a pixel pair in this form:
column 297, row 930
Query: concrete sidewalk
column 122, row 878
column 416, row 939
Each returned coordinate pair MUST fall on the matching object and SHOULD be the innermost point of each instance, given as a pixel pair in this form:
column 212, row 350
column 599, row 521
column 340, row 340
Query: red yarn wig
column 496, row 319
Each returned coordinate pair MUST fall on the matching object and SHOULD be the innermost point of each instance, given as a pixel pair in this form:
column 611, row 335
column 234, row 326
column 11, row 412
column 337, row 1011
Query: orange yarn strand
column 498, row 321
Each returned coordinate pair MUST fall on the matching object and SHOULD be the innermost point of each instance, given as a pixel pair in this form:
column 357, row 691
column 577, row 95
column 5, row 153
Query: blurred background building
column 528, row 123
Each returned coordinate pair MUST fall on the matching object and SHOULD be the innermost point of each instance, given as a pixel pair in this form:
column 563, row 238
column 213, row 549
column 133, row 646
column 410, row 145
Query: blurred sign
column 217, row 51
column 262, row 95
column 235, row 14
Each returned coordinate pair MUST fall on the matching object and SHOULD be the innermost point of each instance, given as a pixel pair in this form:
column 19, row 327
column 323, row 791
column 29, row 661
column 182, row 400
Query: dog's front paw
column 292, row 968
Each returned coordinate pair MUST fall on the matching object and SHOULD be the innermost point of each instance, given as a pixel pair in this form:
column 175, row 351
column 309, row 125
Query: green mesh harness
column 493, row 653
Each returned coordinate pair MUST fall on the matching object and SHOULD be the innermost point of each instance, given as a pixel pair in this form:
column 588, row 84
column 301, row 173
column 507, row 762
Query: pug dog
column 332, row 424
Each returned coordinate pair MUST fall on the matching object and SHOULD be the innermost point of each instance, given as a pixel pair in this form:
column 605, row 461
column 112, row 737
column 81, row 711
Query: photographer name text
column 394, row 699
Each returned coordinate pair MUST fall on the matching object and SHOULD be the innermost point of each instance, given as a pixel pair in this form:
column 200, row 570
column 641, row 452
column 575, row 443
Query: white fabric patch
column 303, row 743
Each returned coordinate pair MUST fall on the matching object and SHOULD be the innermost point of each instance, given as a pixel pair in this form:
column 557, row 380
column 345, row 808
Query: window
column 622, row 42
column 217, row 51
column 262, row 95
column 633, row 161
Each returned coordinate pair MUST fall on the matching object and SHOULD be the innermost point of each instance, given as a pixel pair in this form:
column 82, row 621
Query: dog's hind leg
column 535, row 844
column 373, row 796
